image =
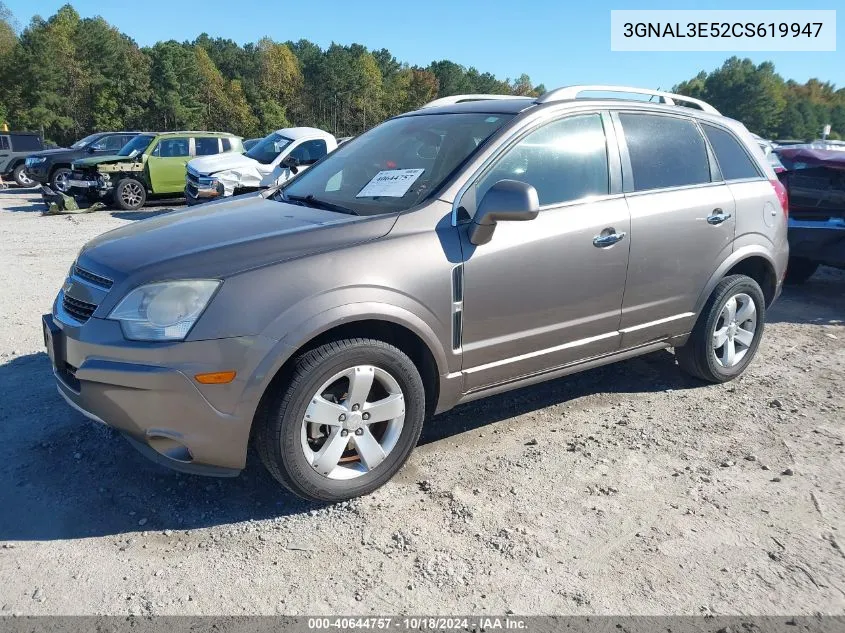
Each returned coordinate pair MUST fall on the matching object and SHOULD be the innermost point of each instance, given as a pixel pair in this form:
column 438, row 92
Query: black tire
column 697, row 357
column 278, row 436
column 59, row 176
column 799, row 270
column 20, row 177
column 130, row 194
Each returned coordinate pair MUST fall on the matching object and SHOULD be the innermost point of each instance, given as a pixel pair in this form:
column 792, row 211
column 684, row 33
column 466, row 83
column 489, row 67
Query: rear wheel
column 799, row 270
column 728, row 331
column 346, row 422
column 129, row 194
column 20, row 177
column 59, row 180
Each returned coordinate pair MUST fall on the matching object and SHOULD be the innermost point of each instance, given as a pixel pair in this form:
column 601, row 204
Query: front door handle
column 717, row 217
column 608, row 237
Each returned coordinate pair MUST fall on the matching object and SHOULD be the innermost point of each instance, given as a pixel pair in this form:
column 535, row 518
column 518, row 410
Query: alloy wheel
column 353, row 422
column 734, row 331
column 61, row 181
column 131, row 194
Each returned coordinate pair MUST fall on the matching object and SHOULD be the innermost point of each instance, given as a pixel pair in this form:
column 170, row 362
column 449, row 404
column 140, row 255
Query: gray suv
column 462, row 250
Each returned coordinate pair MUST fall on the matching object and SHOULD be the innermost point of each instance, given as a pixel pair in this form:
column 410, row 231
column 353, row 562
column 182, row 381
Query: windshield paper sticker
column 393, row 183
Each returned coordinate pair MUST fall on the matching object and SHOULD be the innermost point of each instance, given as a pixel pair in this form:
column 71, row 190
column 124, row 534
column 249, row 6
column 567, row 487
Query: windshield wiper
column 311, row 201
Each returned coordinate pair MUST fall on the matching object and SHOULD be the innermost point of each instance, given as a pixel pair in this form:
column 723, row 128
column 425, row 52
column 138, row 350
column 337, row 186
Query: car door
column 167, row 164
column 682, row 222
column 548, row 292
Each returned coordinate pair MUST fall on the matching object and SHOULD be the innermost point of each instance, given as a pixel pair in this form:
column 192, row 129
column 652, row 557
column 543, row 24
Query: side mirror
column 291, row 163
column 91, row 149
column 506, row 201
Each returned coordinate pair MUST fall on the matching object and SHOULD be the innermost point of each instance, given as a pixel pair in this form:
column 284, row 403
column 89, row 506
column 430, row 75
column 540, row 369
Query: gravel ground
column 628, row 489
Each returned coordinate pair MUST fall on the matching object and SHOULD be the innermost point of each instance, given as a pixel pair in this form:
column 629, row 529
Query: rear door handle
column 607, row 238
column 718, row 216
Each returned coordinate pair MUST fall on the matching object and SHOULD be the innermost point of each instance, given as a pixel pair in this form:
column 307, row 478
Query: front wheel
column 345, row 422
column 129, row 194
column 59, row 180
column 727, row 334
column 20, row 177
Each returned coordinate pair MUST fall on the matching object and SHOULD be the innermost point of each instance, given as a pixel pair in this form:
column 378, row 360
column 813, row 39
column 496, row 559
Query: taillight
column 783, row 197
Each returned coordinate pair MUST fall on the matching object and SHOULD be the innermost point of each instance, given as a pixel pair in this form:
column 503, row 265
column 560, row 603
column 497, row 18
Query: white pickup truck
column 272, row 161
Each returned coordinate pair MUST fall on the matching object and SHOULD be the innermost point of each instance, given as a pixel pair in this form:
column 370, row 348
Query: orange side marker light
column 216, row 377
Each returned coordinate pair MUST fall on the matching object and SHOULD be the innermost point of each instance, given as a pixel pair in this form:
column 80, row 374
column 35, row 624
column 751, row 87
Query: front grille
column 79, row 310
column 94, row 278
column 193, row 178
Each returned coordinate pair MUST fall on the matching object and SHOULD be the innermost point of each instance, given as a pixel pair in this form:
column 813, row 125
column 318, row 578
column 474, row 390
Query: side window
column 26, row 143
column 227, row 145
column 206, row 146
column 113, row 142
column 665, row 151
column 565, row 160
column 172, row 148
column 4, row 142
column 309, row 152
column 732, row 158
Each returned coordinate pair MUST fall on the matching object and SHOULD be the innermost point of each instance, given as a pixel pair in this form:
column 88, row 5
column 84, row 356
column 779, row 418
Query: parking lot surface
column 627, row 489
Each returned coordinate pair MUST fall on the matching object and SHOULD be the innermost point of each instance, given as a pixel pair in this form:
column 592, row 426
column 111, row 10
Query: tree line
column 67, row 76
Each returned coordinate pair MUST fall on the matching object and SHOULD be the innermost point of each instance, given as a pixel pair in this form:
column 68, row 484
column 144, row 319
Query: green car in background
column 152, row 164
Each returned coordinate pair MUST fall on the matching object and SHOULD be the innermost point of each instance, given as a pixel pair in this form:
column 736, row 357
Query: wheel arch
column 752, row 261
column 57, row 166
column 406, row 331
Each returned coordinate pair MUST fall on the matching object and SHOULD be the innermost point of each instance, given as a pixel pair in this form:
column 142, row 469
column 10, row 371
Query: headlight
column 30, row 162
column 163, row 311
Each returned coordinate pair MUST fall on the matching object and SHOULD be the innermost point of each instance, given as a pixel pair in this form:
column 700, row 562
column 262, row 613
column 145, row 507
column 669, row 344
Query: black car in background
column 52, row 167
column 815, row 181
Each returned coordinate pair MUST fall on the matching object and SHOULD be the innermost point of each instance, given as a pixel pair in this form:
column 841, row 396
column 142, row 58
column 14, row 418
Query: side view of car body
column 451, row 253
column 53, row 166
column 151, row 164
column 270, row 162
column 14, row 148
column 815, row 181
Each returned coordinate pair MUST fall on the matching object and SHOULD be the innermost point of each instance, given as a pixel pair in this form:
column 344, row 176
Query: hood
column 208, row 165
column 219, row 239
column 92, row 161
column 49, row 152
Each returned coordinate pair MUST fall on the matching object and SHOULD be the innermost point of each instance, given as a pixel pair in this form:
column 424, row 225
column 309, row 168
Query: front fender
column 303, row 331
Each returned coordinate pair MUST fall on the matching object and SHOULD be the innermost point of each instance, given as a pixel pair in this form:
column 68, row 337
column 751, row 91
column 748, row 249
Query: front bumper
column 39, row 173
column 147, row 391
column 195, row 194
column 818, row 240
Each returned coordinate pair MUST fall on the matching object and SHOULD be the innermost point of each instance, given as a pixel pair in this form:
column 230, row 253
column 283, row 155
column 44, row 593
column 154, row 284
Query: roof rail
column 442, row 101
column 669, row 98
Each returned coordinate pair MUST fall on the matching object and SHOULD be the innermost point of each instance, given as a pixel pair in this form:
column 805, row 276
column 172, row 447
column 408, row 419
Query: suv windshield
column 266, row 150
column 85, row 141
column 397, row 164
column 136, row 145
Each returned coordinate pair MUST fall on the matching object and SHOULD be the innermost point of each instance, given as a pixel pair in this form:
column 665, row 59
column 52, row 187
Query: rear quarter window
column 4, row 142
column 734, row 161
column 665, row 151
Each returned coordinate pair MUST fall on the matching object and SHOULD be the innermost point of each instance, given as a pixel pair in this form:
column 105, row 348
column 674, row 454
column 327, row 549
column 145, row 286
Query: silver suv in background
column 462, row 250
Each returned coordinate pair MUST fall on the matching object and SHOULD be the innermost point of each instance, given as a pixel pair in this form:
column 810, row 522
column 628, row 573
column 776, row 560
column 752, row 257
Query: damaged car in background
column 272, row 161
column 815, row 181
column 149, row 165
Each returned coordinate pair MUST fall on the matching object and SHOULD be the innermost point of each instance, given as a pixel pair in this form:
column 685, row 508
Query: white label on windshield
column 392, row 183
